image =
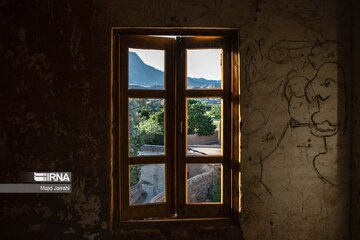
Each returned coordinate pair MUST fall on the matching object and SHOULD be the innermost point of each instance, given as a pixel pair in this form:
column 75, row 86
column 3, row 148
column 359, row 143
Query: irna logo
column 52, row 177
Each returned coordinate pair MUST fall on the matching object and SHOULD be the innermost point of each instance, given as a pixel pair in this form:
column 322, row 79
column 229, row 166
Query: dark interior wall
column 55, row 113
column 355, row 187
column 54, row 116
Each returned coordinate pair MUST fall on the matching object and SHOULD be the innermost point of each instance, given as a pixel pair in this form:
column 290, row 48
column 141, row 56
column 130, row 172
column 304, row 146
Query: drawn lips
column 325, row 128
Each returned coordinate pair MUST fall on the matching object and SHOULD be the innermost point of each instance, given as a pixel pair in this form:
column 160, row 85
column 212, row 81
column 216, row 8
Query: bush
column 135, row 173
column 215, row 190
column 152, row 129
column 147, row 122
column 198, row 121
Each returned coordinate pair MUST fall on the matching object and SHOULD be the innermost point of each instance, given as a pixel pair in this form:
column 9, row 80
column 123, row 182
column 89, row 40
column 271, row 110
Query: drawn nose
column 310, row 59
column 310, row 93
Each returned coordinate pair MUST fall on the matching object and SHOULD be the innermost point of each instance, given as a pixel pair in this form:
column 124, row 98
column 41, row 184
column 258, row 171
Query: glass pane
column 204, row 183
column 147, row 184
column 146, row 69
column 146, row 126
column 204, row 126
column 204, row 68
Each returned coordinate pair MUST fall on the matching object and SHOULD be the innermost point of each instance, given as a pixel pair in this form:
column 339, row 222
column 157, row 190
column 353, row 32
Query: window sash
column 198, row 210
column 160, row 210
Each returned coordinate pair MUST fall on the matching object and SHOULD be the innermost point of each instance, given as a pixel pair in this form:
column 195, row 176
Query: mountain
column 143, row 76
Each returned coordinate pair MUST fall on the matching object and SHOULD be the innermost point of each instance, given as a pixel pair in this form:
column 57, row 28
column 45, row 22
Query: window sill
column 176, row 224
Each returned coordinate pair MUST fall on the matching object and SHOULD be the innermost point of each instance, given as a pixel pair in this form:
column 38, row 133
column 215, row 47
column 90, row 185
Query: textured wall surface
column 355, row 186
column 295, row 91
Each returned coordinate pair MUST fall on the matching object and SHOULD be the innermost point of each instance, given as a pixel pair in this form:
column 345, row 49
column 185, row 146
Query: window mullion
column 180, row 139
column 170, row 129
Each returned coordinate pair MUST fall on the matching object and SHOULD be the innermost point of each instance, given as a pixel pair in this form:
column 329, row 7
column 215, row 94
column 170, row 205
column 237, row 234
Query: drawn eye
column 326, row 83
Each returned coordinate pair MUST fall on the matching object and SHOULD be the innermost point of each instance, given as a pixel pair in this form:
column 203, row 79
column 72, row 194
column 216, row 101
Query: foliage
column 215, row 111
column 215, row 190
column 198, row 121
column 146, row 121
column 136, row 140
column 135, row 172
column 152, row 128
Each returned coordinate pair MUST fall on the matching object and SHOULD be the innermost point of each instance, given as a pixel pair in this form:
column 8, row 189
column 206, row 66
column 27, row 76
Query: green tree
column 152, row 129
column 214, row 193
column 215, row 111
column 136, row 138
column 146, row 122
column 199, row 121
column 135, row 173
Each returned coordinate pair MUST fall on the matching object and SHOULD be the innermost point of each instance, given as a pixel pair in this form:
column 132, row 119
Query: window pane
column 146, row 69
column 204, row 68
column 146, row 126
column 204, row 183
column 147, row 184
column 204, row 126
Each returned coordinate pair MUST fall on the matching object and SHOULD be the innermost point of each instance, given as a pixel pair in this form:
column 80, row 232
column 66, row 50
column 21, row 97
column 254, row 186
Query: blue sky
column 203, row 63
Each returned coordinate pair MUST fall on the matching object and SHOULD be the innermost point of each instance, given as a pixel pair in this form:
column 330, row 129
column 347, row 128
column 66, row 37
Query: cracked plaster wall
column 295, row 81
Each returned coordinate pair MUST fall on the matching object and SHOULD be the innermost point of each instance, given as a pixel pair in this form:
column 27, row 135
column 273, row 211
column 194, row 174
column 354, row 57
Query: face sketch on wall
column 323, row 90
column 316, row 103
column 312, row 83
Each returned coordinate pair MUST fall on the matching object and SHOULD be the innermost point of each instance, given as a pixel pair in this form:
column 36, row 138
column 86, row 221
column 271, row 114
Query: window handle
column 181, row 127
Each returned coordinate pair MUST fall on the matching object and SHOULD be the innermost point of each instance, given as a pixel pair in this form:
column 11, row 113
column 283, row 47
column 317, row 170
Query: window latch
column 181, row 127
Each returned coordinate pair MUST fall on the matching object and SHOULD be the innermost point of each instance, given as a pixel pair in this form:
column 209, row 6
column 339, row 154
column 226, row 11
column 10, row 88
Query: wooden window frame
column 122, row 216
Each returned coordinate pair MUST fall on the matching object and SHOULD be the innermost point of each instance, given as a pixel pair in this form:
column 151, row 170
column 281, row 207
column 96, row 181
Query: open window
column 175, row 125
